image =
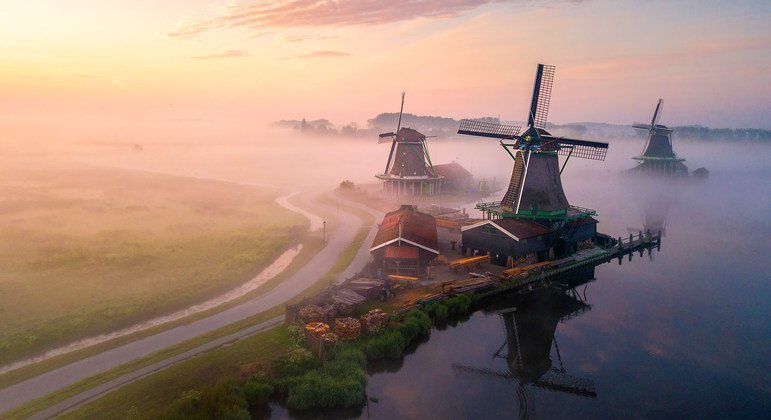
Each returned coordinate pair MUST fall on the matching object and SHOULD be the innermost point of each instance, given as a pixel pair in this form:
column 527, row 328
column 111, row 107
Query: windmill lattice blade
column 389, row 134
column 486, row 129
column 642, row 126
column 585, row 149
column 554, row 380
column 539, row 104
column 657, row 113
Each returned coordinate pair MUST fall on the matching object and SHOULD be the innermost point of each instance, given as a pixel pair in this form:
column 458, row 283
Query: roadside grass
column 198, row 370
column 310, row 248
column 34, row 406
column 88, row 250
column 197, row 373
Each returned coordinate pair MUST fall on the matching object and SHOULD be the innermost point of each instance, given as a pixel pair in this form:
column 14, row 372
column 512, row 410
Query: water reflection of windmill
column 408, row 170
column 658, row 156
column 654, row 217
column 530, row 336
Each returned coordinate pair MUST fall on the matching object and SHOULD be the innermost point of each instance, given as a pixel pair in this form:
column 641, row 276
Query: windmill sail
column 584, row 149
column 539, row 104
column 487, row 129
column 393, row 143
column 535, row 189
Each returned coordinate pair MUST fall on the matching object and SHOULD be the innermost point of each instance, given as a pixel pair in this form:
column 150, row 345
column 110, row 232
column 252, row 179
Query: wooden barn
column 406, row 243
column 456, row 177
column 509, row 240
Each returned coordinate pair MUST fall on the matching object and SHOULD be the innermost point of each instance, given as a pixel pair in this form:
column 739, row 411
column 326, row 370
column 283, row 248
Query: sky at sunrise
column 348, row 60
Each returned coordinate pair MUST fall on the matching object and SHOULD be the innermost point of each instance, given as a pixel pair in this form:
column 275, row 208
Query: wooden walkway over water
column 591, row 257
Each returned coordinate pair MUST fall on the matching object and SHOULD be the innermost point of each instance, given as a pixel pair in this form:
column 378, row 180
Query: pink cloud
column 296, row 13
column 319, row 54
column 226, row 54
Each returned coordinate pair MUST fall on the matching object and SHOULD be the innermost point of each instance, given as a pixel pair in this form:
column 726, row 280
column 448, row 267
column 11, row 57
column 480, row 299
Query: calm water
column 684, row 334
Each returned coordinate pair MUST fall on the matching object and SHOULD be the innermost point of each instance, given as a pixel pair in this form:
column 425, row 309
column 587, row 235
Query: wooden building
column 509, row 239
column 456, row 177
column 406, row 242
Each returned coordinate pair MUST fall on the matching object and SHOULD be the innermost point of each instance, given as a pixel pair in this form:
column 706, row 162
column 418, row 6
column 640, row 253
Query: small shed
column 406, row 242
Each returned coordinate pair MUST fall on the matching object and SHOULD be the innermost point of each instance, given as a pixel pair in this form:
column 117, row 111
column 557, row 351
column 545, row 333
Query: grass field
column 196, row 373
column 87, row 250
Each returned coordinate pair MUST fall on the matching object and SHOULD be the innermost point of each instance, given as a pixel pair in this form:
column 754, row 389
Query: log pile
column 312, row 313
column 374, row 321
column 347, row 328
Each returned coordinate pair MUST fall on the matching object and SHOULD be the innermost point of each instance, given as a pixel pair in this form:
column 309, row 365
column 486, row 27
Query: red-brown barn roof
column 417, row 228
column 452, row 170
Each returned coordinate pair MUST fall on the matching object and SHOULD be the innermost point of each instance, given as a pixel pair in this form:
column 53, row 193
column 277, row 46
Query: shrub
column 389, row 344
column 440, row 312
column 339, row 384
column 222, row 401
column 458, row 305
column 257, row 391
column 298, row 362
column 296, row 336
column 415, row 323
column 353, row 355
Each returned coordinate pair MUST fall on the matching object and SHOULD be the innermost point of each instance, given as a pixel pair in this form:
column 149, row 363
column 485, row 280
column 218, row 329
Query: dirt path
column 341, row 232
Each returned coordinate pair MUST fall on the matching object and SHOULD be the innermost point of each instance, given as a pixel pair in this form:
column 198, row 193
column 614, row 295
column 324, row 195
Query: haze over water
column 685, row 334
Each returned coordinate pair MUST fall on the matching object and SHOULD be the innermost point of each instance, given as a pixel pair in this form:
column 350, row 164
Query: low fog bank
column 284, row 159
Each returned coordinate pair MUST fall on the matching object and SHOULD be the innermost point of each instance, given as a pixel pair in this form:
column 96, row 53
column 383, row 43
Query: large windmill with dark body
column 535, row 200
column 658, row 155
column 535, row 190
column 408, row 170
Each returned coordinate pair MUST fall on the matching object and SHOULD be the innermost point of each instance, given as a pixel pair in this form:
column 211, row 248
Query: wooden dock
column 598, row 255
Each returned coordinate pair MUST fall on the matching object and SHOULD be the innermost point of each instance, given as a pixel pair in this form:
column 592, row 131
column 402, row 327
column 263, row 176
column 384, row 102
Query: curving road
column 342, row 231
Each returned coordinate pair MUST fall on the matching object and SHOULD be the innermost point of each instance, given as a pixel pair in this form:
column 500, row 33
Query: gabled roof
column 513, row 228
column 407, row 225
column 452, row 170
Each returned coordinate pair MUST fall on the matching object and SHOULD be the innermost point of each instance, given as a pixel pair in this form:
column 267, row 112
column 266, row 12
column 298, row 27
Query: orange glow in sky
column 349, row 60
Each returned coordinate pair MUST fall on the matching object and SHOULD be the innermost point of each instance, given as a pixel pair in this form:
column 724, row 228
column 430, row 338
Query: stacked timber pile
column 468, row 285
column 312, row 313
column 348, row 297
column 469, row 262
column 374, row 321
column 366, row 287
column 347, row 328
column 337, row 309
column 315, row 313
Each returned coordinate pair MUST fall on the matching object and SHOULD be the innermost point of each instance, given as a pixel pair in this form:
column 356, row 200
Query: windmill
column 535, row 190
column 408, row 170
column 658, row 156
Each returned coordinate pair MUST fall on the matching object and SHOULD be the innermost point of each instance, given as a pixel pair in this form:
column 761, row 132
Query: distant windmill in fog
column 408, row 170
column 658, row 156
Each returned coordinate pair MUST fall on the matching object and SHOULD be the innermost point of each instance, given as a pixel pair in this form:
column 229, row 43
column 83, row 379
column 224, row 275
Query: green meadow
column 87, row 250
